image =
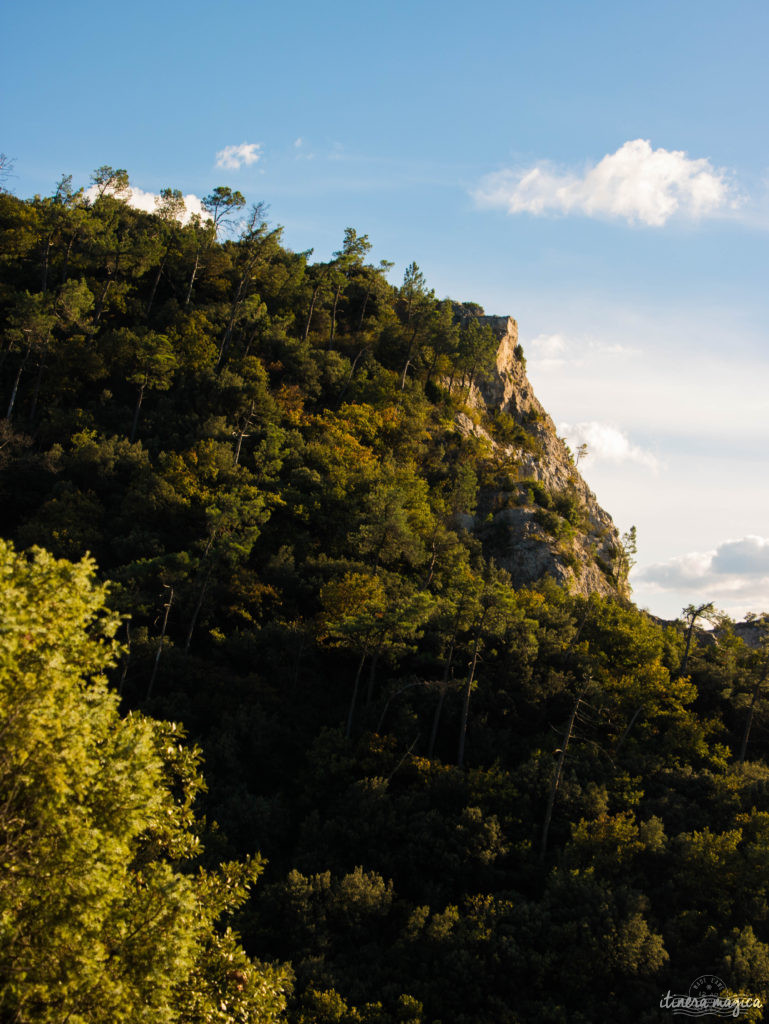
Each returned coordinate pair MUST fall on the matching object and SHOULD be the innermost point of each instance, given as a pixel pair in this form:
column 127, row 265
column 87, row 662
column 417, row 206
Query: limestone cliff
column 536, row 516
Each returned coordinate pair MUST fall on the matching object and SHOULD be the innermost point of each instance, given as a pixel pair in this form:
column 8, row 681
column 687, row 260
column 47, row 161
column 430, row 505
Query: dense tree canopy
column 476, row 802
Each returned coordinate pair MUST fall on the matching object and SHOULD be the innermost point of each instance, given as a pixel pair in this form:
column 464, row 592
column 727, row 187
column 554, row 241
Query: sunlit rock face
column 524, row 526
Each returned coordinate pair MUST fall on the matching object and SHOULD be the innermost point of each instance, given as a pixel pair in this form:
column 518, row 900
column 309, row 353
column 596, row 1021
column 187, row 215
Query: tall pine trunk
column 17, row 381
column 242, row 433
column 557, row 778
column 466, row 703
column 354, row 698
column 160, row 643
column 309, row 315
column 193, row 275
column 750, row 715
column 196, row 612
column 137, row 409
column 155, row 284
column 333, row 317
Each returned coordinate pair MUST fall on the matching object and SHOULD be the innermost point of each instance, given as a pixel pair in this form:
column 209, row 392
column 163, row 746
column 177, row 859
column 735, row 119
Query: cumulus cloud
column 605, row 443
column 689, row 570
column 748, row 556
column 232, row 158
column 735, row 573
column 148, row 201
column 636, row 183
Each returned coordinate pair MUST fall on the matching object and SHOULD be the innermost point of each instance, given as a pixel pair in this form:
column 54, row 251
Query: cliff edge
column 536, row 515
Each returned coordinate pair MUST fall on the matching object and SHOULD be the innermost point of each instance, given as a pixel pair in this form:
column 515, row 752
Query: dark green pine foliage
column 477, row 803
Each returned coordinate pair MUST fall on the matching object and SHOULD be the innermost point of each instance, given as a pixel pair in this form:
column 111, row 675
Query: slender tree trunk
column 193, row 275
column 472, row 374
column 102, row 300
column 390, row 699
column 399, row 764
column 224, row 347
column 629, row 726
column 251, row 340
column 309, row 315
column 112, row 274
column 242, row 434
column 350, row 376
column 431, row 370
column 466, row 704
column 433, row 560
column 441, row 699
column 237, row 303
column 557, row 779
column 354, row 698
column 363, row 310
column 36, row 391
column 135, row 423
column 67, row 255
column 333, row 316
column 196, row 612
column 14, row 392
column 751, row 713
column 160, row 644
column 444, row 686
column 155, row 284
column 689, row 634
column 705, row 611
column 15, row 389
column 409, row 354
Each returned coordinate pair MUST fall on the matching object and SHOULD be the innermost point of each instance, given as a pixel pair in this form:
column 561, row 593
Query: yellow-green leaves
column 97, row 921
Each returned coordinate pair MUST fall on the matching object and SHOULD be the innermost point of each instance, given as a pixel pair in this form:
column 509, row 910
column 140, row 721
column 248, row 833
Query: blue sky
column 597, row 170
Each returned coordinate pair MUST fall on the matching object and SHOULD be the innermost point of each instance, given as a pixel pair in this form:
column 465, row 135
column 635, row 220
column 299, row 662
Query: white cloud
column 734, row 574
column 606, row 443
column 548, row 347
column 232, row 158
column 636, row 183
column 142, row 200
column 748, row 556
column 687, row 570
column 148, row 202
column 553, row 351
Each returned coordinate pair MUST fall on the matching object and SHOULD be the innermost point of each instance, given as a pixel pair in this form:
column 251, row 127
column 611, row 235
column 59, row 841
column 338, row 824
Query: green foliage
column 98, row 921
column 260, row 452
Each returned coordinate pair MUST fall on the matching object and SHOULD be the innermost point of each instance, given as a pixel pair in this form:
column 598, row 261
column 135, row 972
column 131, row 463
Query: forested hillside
column 479, row 802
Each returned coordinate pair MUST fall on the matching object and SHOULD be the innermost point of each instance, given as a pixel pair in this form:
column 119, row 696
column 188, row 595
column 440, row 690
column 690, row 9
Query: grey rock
column 513, row 529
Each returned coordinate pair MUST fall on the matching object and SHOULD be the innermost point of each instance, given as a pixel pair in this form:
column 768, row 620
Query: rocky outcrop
column 508, row 388
column 546, row 521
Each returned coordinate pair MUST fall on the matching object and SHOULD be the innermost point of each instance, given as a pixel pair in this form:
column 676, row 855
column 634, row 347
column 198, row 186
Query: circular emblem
column 706, row 985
